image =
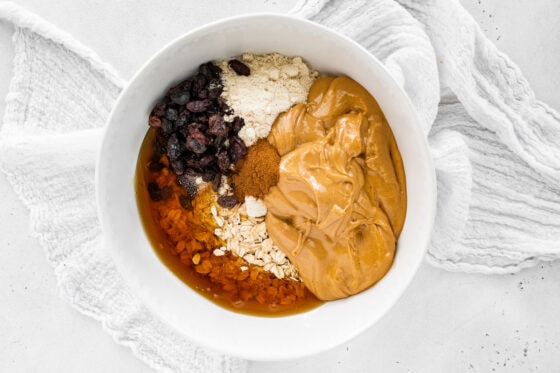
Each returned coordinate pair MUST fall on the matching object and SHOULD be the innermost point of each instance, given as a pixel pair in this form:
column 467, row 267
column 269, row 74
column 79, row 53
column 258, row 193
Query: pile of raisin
column 192, row 132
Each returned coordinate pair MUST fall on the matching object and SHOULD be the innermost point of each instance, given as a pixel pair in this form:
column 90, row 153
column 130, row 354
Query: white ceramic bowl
column 253, row 337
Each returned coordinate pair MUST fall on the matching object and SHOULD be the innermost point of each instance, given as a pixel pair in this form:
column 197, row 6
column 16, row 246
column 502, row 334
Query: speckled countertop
column 445, row 322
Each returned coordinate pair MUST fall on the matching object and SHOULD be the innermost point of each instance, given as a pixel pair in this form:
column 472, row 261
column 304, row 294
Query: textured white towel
column 496, row 150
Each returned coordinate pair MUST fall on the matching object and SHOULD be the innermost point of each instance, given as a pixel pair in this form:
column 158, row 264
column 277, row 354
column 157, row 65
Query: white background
column 445, row 322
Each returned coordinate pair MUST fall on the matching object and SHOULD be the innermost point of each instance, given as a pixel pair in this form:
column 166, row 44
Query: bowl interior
column 252, row 337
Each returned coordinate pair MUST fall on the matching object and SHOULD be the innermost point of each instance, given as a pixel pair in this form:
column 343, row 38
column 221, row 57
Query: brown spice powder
column 258, row 171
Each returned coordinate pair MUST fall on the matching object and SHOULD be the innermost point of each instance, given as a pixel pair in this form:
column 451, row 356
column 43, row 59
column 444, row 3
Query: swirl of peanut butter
column 340, row 202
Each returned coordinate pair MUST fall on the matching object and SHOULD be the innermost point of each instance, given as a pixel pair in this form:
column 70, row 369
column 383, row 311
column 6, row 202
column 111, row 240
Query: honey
column 182, row 236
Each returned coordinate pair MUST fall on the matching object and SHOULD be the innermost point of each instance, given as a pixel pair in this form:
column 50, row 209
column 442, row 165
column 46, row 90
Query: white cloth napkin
column 496, row 150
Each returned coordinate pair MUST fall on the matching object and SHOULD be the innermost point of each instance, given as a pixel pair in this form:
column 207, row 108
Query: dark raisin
column 207, row 160
column 208, row 175
column 159, row 109
column 215, row 84
column 174, row 90
column 189, row 128
column 216, row 71
column 238, row 123
column 154, row 121
column 223, row 106
column 216, row 182
column 182, row 119
column 178, row 166
column 239, row 67
column 227, row 201
column 186, row 202
column 192, row 162
column 217, row 125
column 198, row 106
column 180, row 98
column 205, row 70
column 203, row 94
column 174, row 148
column 171, row 114
column 237, row 149
column 187, row 84
column 203, row 120
column 223, row 161
column 154, row 191
column 189, row 184
column 199, row 82
column 167, row 126
column 214, row 93
column 209, row 70
column 197, row 141
column 193, row 172
column 195, row 145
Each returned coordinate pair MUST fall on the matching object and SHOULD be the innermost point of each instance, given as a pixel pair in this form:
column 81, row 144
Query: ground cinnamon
column 258, row 171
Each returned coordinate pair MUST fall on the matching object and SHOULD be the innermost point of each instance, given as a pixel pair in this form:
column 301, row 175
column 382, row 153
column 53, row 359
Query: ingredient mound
column 340, row 202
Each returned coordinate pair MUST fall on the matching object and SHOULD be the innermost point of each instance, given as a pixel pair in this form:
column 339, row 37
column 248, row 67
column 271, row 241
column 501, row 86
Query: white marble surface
column 445, row 322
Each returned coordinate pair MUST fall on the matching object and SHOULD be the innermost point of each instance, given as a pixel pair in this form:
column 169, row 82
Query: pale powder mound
column 275, row 84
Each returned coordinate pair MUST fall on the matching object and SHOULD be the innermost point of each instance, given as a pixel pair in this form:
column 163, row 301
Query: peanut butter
column 340, row 202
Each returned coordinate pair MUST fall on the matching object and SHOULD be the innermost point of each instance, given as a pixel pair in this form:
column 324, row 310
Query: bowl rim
column 416, row 127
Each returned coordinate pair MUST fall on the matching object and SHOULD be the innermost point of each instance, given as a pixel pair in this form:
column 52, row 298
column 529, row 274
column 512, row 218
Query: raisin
column 216, row 71
column 214, row 93
column 205, row 70
column 209, row 175
column 199, row 82
column 180, row 98
column 189, row 184
column 209, row 70
column 238, row 123
column 167, row 126
column 217, row 125
column 203, row 94
column 216, row 182
column 171, row 114
column 182, row 119
column 227, row 201
column 174, row 148
column 159, row 109
column 193, row 172
column 186, row 84
column 223, row 161
column 207, row 160
column 237, row 149
column 154, row 121
column 192, row 127
column 178, row 166
column 223, row 105
column 198, row 106
column 197, row 141
column 239, row 67
column 192, row 162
